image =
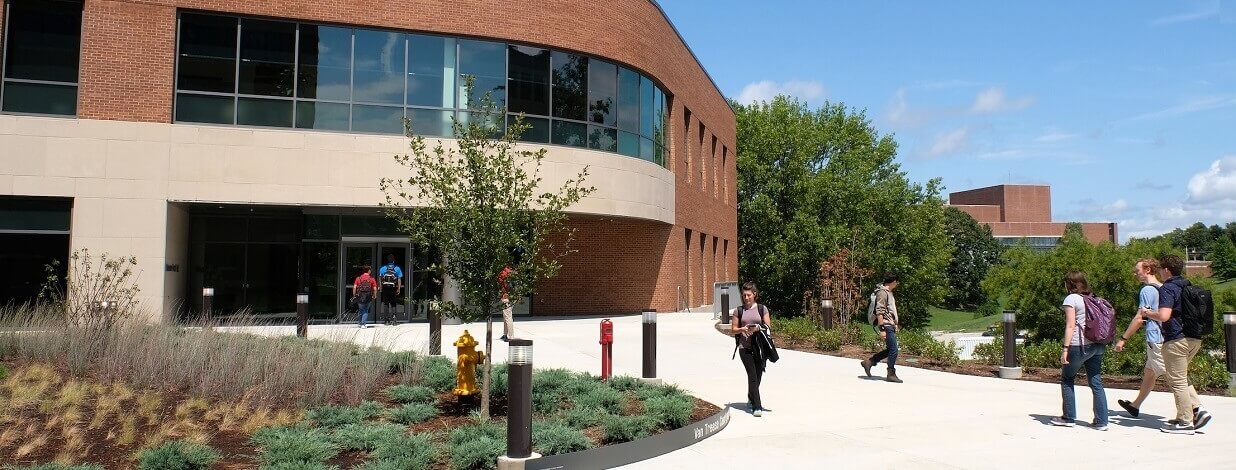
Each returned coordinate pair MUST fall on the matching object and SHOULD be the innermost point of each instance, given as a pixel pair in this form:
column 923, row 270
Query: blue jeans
column 1090, row 356
column 890, row 348
column 363, row 308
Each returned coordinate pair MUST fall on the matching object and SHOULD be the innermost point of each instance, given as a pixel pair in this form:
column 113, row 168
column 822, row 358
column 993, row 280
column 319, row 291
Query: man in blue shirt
column 391, row 277
column 1147, row 300
column 1178, row 350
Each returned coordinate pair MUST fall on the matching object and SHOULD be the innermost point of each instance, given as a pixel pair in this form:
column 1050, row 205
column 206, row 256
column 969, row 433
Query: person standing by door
column 392, row 286
column 363, row 288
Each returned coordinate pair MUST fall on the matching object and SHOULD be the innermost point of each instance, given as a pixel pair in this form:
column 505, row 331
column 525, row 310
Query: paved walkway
column 826, row 414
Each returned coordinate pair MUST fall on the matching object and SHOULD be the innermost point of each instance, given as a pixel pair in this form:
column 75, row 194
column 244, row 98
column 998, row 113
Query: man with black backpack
column 392, row 286
column 1187, row 314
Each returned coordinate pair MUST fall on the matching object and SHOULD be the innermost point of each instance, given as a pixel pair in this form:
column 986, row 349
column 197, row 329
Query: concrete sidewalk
column 825, row 413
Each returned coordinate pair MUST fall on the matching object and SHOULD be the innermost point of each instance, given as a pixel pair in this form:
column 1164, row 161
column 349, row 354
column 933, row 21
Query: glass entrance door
column 355, row 257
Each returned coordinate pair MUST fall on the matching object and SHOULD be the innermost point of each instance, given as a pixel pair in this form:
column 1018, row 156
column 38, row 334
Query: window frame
column 4, row 63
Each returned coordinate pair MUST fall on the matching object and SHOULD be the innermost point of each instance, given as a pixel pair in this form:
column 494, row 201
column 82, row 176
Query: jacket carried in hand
column 886, row 305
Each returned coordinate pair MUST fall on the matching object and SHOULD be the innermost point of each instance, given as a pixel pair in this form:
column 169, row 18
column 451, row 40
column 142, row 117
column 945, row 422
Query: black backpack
column 389, row 278
column 364, row 290
column 1197, row 310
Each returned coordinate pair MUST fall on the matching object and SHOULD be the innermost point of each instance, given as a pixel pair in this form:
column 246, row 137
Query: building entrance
column 390, row 264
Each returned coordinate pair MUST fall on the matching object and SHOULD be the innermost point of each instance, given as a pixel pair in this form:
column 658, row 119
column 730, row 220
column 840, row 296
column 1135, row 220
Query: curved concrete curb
column 635, row 451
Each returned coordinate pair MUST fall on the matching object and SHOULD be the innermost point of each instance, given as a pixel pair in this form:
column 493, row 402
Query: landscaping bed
column 353, row 408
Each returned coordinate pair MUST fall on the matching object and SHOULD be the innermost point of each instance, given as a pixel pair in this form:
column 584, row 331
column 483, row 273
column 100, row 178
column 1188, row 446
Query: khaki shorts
column 1154, row 358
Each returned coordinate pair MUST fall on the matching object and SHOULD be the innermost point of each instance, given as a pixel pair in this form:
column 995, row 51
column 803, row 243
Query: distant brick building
column 1015, row 212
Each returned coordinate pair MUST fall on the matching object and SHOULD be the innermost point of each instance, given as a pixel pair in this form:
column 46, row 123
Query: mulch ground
column 1034, row 374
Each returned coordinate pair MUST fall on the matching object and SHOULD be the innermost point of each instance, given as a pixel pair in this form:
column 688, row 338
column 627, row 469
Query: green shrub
column 661, row 390
column 794, row 330
column 583, row 417
column 671, row 411
column 438, row 374
column 857, row 333
column 365, row 436
column 471, row 432
column 625, row 383
column 553, row 438
column 873, row 343
column 412, row 413
column 828, row 340
column 1206, row 371
column 627, row 428
column 333, row 416
column 548, row 388
column 410, row 394
column 913, row 342
column 4, row 372
column 943, row 353
column 178, row 455
column 294, row 446
column 1131, row 361
column 481, row 453
column 990, row 353
column 54, row 466
column 1045, row 354
column 401, row 361
column 988, row 308
column 499, row 379
column 601, row 397
column 298, row 466
column 402, row 452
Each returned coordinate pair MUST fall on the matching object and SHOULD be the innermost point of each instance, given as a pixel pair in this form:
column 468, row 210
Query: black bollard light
column 435, row 330
column 1010, row 369
column 1229, row 331
column 650, row 344
column 302, row 315
column 208, row 305
column 826, row 311
column 725, row 305
column 519, row 403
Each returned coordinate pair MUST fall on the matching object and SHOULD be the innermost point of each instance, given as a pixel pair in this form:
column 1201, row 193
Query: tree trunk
column 489, row 361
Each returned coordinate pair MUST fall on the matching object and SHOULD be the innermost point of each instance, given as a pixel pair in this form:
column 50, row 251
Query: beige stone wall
column 121, row 176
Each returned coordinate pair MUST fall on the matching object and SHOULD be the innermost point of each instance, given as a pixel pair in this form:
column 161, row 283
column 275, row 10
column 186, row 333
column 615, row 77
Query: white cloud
column 766, row 90
column 951, row 142
column 1054, row 135
column 992, row 100
column 1216, row 184
column 1205, row 11
column 1190, row 106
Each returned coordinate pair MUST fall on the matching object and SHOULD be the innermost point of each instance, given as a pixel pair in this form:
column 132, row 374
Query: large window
column 255, row 72
column 41, row 55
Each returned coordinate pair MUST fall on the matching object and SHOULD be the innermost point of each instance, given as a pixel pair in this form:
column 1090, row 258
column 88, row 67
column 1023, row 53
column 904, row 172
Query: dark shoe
column 867, row 367
column 1200, row 418
column 1061, row 421
column 1128, row 406
column 504, row 338
column 892, row 377
column 1177, row 428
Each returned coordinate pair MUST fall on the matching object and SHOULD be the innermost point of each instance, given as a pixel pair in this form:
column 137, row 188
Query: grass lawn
column 952, row 320
column 1225, row 285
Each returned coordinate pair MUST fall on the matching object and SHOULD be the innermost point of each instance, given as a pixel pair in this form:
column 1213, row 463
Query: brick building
column 238, row 145
column 1017, row 212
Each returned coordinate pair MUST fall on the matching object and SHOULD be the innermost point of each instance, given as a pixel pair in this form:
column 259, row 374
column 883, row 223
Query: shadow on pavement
column 743, row 407
column 1142, row 420
column 873, row 377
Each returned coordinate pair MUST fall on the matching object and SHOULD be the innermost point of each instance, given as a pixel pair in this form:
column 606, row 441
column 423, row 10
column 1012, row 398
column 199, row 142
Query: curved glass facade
column 257, row 72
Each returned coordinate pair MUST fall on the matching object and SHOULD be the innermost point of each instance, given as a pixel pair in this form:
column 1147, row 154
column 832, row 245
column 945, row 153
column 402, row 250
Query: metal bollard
column 607, row 348
column 519, row 404
column 435, row 330
column 1010, row 369
column 208, row 305
column 650, row 344
column 1229, row 332
column 302, row 315
column 725, row 305
column 826, row 311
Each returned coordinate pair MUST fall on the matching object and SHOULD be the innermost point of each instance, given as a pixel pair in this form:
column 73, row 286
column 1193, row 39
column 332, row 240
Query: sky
column 1126, row 109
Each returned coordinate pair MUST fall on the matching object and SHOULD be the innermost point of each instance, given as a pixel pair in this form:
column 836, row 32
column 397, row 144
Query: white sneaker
column 757, row 413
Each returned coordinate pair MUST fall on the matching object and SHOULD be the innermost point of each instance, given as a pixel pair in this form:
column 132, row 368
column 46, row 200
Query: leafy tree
column 1032, row 283
column 1222, row 258
column 975, row 251
column 479, row 202
column 1196, row 237
column 813, row 181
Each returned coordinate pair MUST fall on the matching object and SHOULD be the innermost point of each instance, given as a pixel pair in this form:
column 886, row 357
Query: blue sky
column 1127, row 109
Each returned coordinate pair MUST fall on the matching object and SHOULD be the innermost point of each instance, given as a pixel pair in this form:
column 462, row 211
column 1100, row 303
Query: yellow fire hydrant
column 465, row 369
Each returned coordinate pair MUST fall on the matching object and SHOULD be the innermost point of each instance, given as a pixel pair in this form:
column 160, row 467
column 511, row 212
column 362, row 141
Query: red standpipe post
column 607, row 348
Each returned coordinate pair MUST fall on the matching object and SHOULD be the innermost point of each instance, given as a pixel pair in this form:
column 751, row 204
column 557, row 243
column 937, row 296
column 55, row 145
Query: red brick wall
column 982, row 214
column 1027, row 203
column 127, row 72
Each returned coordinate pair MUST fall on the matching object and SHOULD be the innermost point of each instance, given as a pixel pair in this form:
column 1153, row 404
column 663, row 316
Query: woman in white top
column 1078, row 353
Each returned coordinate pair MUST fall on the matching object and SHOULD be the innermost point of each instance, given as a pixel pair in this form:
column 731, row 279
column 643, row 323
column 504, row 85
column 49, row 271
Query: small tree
column 840, row 279
column 94, row 296
column 976, row 250
column 477, row 202
column 1223, row 258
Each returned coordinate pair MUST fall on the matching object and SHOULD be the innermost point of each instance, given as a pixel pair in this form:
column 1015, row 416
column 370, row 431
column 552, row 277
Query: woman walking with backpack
column 745, row 322
column 1079, row 352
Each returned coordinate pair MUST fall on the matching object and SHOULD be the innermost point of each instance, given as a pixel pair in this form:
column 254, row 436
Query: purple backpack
column 1100, row 320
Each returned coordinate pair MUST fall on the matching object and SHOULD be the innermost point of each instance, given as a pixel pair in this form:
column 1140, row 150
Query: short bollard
column 650, row 346
column 208, row 305
column 1229, row 331
column 1010, row 369
column 826, row 311
column 435, row 330
column 725, row 306
column 519, row 406
column 302, row 315
column 607, row 348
